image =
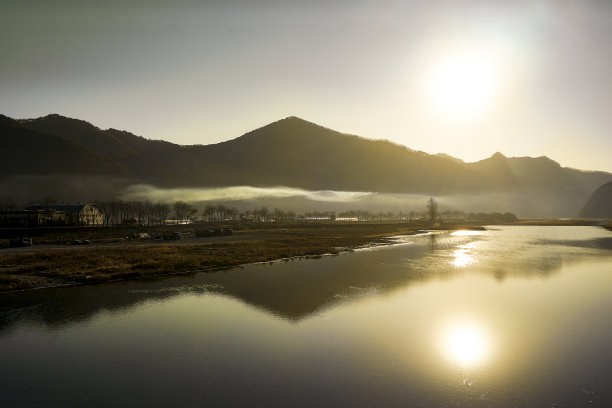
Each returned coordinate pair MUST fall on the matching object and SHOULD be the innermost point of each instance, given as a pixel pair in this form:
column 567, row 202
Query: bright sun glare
column 466, row 343
column 462, row 86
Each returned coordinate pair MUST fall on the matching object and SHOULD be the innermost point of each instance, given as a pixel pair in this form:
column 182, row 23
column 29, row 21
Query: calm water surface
column 510, row 317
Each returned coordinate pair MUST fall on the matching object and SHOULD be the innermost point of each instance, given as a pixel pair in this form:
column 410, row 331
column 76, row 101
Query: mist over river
column 509, row 317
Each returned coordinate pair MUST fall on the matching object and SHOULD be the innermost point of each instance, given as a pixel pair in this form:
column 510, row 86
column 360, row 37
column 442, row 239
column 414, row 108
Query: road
column 186, row 239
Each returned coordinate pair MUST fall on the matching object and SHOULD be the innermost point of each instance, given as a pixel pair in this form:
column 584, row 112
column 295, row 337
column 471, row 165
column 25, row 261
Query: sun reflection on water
column 466, row 343
column 462, row 256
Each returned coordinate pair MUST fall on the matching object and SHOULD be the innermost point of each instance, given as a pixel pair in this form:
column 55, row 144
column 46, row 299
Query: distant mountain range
column 290, row 152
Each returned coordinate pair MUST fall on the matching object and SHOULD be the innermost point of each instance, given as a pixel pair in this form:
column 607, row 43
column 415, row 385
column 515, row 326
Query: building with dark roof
column 71, row 214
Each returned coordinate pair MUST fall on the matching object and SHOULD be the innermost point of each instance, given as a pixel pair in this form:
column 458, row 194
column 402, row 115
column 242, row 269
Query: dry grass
column 32, row 269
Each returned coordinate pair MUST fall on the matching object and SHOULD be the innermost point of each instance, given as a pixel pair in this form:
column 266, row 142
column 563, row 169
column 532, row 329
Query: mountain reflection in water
column 296, row 288
column 512, row 316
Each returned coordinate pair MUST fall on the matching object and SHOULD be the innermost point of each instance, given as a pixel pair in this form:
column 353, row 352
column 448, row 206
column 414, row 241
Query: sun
column 462, row 86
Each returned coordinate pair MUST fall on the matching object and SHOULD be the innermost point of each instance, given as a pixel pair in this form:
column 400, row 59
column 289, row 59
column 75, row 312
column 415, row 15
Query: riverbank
column 563, row 222
column 56, row 265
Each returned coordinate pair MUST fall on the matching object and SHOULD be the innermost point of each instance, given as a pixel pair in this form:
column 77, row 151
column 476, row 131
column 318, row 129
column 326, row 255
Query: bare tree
column 182, row 210
column 432, row 209
column 208, row 213
column 161, row 212
column 264, row 213
column 147, row 209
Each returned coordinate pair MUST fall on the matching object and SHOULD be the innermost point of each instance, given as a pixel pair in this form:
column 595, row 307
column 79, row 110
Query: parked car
column 204, row 233
column 214, row 233
column 20, row 242
column 172, row 236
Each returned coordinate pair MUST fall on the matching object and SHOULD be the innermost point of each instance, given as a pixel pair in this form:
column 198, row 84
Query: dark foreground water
column 511, row 317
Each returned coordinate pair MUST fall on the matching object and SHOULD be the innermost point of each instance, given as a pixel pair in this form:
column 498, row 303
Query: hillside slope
column 599, row 205
column 27, row 151
column 290, row 152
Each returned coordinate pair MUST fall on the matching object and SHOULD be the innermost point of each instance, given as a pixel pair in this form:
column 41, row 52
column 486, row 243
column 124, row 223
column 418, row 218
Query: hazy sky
column 467, row 78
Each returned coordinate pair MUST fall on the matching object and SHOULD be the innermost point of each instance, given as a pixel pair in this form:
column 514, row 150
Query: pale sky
column 466, row 78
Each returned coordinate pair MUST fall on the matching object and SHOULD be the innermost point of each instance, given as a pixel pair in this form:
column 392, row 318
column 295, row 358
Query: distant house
column 32, row 219
column 70, row 214
column 347, row 219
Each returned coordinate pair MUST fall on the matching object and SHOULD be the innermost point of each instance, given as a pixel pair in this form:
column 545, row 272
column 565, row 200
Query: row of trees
column 434, row 214
column 118, row 212
column 219, row 213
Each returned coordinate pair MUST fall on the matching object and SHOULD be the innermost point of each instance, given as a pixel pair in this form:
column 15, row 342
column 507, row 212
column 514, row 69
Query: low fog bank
column 24, row 189
column 299, row 200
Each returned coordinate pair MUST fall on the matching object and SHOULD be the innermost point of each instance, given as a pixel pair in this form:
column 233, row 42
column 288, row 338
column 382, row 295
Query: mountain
column 28, row 151
column 134, row 153
column 447, row 156
column 290, row 152
column 599, row 205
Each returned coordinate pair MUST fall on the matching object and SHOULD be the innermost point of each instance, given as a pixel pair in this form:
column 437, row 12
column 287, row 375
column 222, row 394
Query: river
column 508, row 317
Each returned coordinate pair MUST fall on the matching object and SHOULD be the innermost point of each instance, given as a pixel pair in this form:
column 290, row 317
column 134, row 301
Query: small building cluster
column 65, row 215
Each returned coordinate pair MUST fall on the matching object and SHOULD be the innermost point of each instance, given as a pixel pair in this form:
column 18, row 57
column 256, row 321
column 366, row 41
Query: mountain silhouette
column 599, row 205
column 290, row 152
column 28, row 151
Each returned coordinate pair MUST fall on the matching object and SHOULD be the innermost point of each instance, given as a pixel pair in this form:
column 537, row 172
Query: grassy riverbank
column 60, row 266
column 114, row 257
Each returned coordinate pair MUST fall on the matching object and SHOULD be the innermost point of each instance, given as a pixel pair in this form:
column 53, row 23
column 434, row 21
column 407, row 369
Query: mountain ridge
column 291, row 152
column 29, row 121
column 17, row 140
